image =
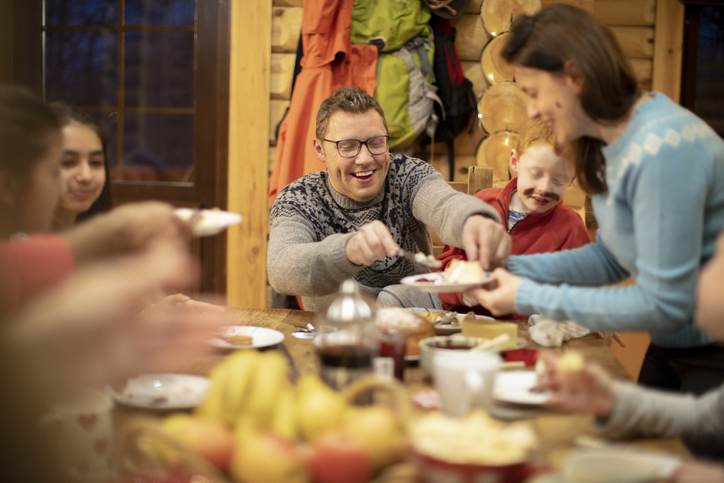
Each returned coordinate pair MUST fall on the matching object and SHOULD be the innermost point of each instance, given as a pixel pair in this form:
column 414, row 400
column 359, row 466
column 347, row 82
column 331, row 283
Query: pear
column 320, row 407
column 375, row 429
column 267, row 458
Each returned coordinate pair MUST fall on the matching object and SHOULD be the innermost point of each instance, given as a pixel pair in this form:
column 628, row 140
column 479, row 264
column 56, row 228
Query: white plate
column 260, row 337
column 434, row 282
column 209, row 222
column 162, row 391
column 619, row 465
column 515, row 387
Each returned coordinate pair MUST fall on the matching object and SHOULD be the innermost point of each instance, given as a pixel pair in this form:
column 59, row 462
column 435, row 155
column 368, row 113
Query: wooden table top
column 558, row 432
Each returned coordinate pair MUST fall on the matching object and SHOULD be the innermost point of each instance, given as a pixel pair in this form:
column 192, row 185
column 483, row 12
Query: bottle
column 346, row 344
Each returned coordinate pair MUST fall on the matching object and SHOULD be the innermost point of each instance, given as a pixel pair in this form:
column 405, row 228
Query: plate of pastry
column 207, row 222
column 247, row 337
column 459, row 276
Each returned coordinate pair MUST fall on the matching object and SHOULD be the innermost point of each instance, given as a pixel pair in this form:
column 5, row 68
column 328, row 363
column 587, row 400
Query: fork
column 420, row 258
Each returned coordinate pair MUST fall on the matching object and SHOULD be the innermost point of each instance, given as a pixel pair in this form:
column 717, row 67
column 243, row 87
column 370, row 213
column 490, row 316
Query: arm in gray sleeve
column 646, row 412
column 445, row 210
column 298, row 265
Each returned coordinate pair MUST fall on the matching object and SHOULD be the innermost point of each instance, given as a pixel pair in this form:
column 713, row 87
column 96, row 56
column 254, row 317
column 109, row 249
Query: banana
column 240, row 368
column 284, row 422
column 212, row 406
column 271, row 379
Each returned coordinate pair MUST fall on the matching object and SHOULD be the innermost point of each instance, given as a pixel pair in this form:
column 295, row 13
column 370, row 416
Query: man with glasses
column 351, row 220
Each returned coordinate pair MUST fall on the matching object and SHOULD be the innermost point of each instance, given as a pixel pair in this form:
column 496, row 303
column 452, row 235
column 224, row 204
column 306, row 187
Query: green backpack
column 405, row 76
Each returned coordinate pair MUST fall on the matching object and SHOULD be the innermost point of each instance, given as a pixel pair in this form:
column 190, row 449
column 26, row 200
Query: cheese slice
column 486, row 329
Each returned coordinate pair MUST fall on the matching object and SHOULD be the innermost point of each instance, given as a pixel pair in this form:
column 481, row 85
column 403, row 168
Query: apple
column 335, row 458
column 267, row 458
column 207, row 438
column 376, row 430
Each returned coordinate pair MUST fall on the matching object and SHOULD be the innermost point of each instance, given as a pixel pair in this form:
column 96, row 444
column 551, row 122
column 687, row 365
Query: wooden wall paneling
column 625, row 12
column 439, row 162
column 276, row 108
column 285, row 28
column 582, row 4
column 636, row 42
column 282, row 71
column 668, row 46
column 474, row 72
column 471, row 37
column 248, row 151
column 643, row 69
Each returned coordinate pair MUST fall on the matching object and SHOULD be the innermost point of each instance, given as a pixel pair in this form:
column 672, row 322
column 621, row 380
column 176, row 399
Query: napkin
column 553, row 333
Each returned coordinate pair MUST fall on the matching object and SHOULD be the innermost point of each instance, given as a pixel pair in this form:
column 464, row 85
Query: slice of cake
column 464, row 272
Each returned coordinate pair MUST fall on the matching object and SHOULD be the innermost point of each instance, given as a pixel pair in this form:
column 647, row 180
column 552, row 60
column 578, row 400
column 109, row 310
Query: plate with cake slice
column 459, row 276
column 234, row 337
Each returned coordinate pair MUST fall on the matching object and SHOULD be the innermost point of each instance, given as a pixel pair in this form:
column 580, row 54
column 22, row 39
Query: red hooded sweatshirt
column 559, row 228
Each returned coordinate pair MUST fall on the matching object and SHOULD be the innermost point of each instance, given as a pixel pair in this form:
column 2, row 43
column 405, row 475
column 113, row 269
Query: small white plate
column 515, row 387
column 162, row 391
column 260, row 337
column 619, row 465
column 434, row 282
column 209, row 222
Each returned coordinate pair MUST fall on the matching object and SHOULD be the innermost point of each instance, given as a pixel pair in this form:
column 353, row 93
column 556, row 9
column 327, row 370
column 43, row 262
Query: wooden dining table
column 559, row 433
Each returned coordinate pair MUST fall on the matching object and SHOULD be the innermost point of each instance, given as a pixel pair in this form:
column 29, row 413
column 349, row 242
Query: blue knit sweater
column 658, row 223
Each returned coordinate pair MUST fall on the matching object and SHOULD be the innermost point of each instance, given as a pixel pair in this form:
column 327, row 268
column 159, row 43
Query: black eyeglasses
column 349, row 148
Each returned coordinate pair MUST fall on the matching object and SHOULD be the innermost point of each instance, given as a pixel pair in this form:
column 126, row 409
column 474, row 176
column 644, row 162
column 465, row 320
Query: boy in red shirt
column 530, row 205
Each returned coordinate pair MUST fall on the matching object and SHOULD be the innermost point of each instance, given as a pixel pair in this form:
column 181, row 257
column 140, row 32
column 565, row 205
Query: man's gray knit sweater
column 310, row 224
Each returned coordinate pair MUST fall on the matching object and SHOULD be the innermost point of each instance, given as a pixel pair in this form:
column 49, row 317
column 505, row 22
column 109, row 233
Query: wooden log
column 287, row 3
column 277, row 109
column 286, row 25
column 474, row 72
column 281, row 70
column 272, row 159
column 625, row 12
column 471, row 37
column 465, row 144
column 494, row 152
column 643, row 69
column 574, row 196
column 636, row 42
column 582, row 4
column 669, row 41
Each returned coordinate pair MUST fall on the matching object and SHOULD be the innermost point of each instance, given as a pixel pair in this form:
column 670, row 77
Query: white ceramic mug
column 464, row 380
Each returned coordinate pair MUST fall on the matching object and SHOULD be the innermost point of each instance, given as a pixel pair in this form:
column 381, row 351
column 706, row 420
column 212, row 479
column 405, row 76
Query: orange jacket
column 330, row 61
column 559, row 228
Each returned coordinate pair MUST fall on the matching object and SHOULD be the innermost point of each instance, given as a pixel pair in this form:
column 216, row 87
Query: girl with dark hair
column 85, row 176
column 655, row 174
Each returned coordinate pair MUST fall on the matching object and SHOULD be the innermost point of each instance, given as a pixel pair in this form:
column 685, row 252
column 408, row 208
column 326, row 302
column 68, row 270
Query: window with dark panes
column 130, row 65
column 703, row 62
column 154, row 75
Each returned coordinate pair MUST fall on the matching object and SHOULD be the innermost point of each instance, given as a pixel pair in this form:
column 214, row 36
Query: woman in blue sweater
column 655, row 175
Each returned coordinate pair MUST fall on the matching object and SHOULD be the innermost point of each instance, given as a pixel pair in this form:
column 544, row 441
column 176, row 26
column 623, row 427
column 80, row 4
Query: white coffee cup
column 464, row 380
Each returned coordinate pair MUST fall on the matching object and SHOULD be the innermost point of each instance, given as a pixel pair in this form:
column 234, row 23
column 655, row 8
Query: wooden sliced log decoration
column 497, row 15
column 495, row 69
column 494, row 152
column 503, row 108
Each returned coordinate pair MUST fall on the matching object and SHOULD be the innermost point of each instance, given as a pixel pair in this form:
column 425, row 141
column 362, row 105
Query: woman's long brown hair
column 561, row 34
